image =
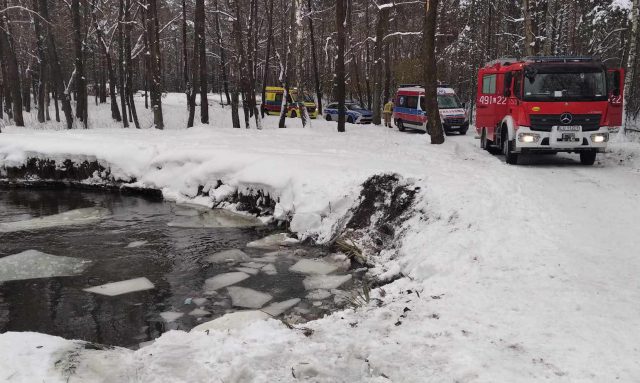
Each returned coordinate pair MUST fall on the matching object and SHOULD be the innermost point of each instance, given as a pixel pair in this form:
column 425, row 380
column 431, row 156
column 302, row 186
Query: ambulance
column 410, row 112
column 273, row 103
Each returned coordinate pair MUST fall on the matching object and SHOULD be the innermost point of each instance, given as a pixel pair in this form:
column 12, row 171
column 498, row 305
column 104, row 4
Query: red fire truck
column 548, row 105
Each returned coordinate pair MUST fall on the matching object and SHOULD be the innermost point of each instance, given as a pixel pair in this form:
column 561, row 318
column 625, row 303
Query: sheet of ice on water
column 68, row 218
column 249, row 298
column 278, row 308
column 310, row 266
column 171, row 316
column 325, row 282
column 231, row 321
column 232, row 255
column 33, row 264
column 215, row 218
column 273, row 241
column 224, row 280
column 122, row 287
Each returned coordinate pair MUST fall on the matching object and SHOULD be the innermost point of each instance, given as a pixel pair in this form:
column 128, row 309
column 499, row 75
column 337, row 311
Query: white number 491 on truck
column 548, row 105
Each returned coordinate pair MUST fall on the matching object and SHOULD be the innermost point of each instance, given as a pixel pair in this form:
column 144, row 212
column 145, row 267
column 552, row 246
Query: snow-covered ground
column 513, row 273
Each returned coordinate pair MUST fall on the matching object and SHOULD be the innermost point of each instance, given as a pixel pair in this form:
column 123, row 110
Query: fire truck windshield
column 564, row 86
column 448, row 101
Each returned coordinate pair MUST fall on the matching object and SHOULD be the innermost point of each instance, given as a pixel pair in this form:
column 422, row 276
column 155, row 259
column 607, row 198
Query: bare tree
column 10, row 63
column 79, row 77
column 381, row 29
column 340, row 70
column 434, row 125
column 153, row 38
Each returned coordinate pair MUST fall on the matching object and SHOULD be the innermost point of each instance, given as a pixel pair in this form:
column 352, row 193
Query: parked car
column 356, row 113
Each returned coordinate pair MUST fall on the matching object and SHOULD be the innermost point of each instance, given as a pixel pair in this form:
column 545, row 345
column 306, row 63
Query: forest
column 60, row 55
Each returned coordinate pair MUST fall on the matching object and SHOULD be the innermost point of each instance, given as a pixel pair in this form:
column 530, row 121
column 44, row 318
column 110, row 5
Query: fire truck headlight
column 528, row 138
column 599, row 138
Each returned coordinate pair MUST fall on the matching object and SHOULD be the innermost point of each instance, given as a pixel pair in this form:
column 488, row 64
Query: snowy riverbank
column 514, row 274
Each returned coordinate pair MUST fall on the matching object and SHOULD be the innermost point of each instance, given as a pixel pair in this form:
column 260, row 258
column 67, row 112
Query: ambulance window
column 402, row 101
column 423, row 103
column 412, row 102
column 489, row 84
column 278, row 99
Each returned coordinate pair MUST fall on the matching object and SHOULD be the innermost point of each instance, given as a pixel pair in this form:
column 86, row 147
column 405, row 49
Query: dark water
column 171, row 259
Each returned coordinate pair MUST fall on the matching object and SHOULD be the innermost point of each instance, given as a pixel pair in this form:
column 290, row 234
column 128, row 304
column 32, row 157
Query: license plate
column 568, row 137
column 569, row 128
column 455, row 127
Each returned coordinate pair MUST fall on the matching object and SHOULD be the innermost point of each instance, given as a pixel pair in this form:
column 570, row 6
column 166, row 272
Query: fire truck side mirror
column 615, row 92
column 464, row 105
column 507, row 92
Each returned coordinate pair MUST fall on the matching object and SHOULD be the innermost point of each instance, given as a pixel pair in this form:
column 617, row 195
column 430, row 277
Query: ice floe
column 122, row 287
column 325, row 281
column 224, row 280
column 68, row 218
column 199, row 301
column 249, row 298
column 171, row 316
column 278, row 308
column 135, row 244
column 269, row 269
column 318, row 295
column 273, row 240
column 199, row 312
column 310, row 266
column 233, row 255
column 232, row 321
column 33, row 264
column 247, row 270
column 215, row 218
column 253, row 265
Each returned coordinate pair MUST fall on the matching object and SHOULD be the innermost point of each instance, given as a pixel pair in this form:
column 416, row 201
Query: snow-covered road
column 515, row 273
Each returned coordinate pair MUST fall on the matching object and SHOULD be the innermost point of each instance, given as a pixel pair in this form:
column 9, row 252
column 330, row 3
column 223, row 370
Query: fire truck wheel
column 400, row 125
column 510, row 157
column 587, row 158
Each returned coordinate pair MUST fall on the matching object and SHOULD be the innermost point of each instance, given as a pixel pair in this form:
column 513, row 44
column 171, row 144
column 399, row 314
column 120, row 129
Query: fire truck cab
column 548, row 105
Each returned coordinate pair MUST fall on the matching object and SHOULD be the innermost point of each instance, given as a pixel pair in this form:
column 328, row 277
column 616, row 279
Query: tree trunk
column 340, row 71
column 378, row 69
column 10, row 62
column 153, row 38
column 548, row 27
column 634, row 36
column 42, row 80
column 241, row 61
column 267, row 57
column 529, row 38
column 223, row 58
column 80, row 79
column 316, row 74
column 201, row 46
column 121, row 69
column 195, row 65
column 430, row 74
column 185, row 56
column 129, row 65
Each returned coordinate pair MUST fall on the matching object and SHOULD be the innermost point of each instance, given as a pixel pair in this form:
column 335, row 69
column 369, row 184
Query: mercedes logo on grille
column 566, row 118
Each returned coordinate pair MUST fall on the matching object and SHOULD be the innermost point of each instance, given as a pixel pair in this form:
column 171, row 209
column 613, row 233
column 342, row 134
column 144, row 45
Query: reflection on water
column 134, row 240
